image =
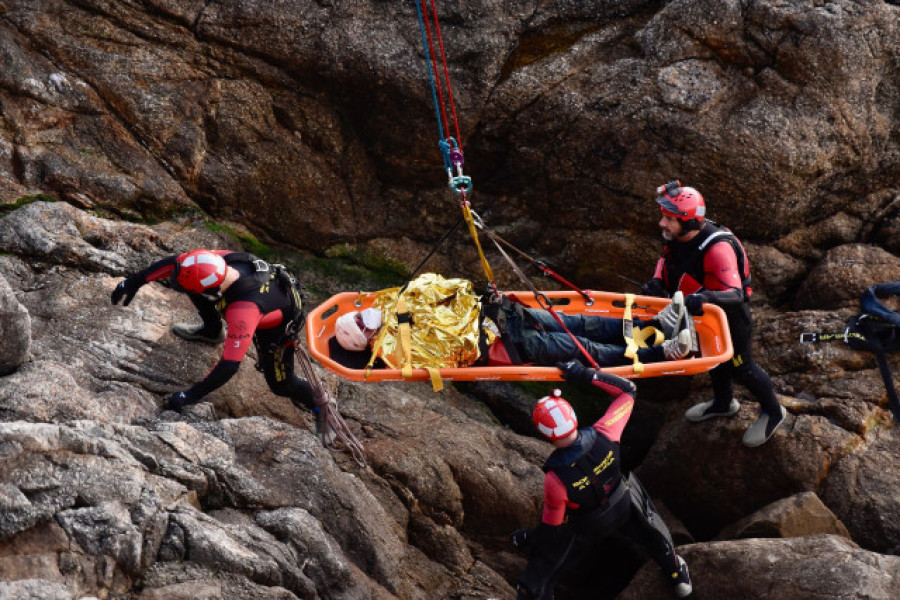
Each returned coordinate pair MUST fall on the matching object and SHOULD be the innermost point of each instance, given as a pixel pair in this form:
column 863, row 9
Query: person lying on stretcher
column 510, row 333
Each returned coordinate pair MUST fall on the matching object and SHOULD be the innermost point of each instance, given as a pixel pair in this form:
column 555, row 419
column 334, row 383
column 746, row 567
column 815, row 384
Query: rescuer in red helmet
column 707, row 263
column 261, row 303
column 586, row 494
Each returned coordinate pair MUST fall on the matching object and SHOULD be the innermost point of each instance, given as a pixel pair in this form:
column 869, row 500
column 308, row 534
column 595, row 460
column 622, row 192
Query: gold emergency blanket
column 444, row 326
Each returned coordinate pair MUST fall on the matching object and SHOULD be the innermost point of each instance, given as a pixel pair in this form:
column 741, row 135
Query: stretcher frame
column 712, row 331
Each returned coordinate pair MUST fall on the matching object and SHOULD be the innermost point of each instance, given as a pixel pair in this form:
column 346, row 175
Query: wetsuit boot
column 201, row 332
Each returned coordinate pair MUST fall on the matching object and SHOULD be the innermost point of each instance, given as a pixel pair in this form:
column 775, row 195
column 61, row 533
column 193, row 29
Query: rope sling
column 453, row 160
column 331, row 427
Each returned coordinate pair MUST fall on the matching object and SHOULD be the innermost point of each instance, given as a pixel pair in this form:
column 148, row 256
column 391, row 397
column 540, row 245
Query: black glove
column 625, row 385
column 178, row 400
column 654, row 287
column 127, row 288
column 576, row 372
column 694, row 304
column 521, row 538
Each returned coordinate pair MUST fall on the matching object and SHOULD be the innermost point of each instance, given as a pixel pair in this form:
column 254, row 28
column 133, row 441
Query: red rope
column 587, row 354
column 437, row 29
column 541, row 299
column 549, row 272
column 434, row 67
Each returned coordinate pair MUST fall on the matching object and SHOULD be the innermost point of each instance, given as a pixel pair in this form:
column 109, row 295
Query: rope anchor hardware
column 453, row 155
column 461, row 184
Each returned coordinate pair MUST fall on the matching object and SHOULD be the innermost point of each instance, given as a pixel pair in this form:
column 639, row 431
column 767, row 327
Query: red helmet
column 554, row 417
column 198, row 271
column 684, row 203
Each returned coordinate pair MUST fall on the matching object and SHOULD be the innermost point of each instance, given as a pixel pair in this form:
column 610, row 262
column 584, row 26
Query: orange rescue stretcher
column 712, row 331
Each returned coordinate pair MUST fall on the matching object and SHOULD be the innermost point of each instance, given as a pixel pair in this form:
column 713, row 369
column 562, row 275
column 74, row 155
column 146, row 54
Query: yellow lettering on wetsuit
column 264, row 288
column 581, row 483
column 598, row 468
column 620, row 413
column 280, row 372
column 605, row 464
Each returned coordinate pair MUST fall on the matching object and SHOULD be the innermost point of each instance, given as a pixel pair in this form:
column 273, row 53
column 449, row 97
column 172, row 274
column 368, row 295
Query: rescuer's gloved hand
column 127, row 288
column 654, row 287
column 521, row 538
column 694, row 304
column 576, row 372
column 178, row 400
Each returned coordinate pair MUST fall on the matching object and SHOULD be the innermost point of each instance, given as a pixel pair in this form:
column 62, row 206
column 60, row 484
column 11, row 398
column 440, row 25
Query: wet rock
column 818, row 565
column 797, row 516
column 15, row 330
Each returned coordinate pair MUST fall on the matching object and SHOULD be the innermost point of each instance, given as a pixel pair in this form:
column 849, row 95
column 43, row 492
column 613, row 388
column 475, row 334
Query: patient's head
column 353, row 330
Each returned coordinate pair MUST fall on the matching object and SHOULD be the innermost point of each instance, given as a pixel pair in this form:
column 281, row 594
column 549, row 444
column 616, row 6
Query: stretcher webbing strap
column 645, row 337
column 467, row 214
column 437, row 384
column 631, row 347
column 405, row 337
column 376, row 348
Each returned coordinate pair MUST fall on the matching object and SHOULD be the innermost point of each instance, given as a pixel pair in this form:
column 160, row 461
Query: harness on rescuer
column 257, row 278
column 875, row 329
column 712, row 328
column 718, row 234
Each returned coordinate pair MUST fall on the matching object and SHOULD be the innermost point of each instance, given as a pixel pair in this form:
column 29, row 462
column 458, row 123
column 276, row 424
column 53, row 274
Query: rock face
column 760, row 568
column 15, row 330
column 798, row 516
column 105, row 494
column 312, row 122
column 309, row 123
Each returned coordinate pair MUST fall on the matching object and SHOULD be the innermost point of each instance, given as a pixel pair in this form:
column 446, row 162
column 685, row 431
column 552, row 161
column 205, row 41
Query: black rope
column 447, row 234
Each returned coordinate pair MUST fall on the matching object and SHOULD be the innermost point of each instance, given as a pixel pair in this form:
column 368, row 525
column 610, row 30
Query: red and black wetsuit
column 257, row 308
column 715, row 265
column 586, row 495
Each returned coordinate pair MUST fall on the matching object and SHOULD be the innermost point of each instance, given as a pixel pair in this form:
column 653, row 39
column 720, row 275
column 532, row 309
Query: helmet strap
column 688, row 225
column 173, row 279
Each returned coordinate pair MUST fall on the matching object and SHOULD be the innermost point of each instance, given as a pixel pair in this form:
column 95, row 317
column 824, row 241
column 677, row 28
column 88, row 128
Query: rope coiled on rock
column 332, row 429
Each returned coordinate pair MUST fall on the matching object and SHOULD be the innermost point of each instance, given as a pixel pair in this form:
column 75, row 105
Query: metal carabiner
column 461, row 184
column 456, row 157
column 543, row 301
column 476, row 218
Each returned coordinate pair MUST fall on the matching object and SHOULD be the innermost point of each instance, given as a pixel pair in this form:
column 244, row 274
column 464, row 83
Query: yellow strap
column 631, row 346
column 648, row 336
column 437, row 384
column 467, row 213
column 405, row 338
column 375, row 348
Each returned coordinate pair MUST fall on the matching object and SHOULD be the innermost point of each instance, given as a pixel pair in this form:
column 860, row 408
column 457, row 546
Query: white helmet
column 353, row 330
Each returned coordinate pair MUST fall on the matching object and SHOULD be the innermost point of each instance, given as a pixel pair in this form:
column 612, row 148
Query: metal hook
column 543, row 301
column 461, row 184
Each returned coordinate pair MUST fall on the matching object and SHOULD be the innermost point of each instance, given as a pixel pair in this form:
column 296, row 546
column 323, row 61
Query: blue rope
column 437, row 111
